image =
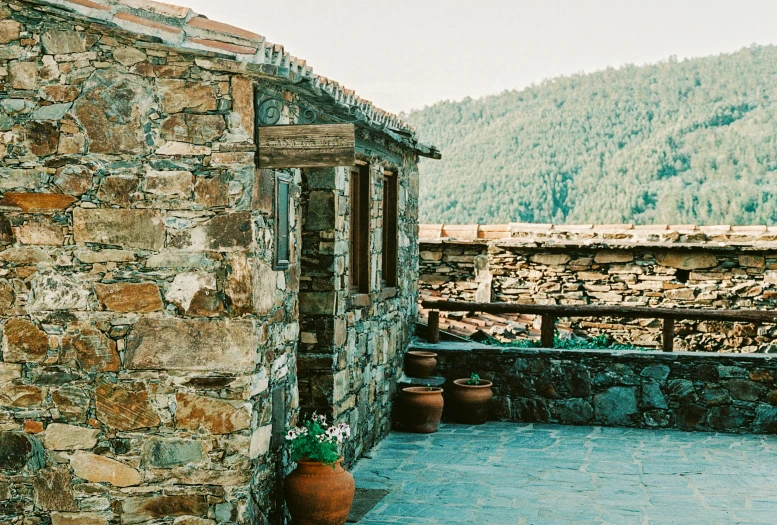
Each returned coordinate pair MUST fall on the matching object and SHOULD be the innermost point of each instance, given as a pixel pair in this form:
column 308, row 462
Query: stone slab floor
column 510, row 474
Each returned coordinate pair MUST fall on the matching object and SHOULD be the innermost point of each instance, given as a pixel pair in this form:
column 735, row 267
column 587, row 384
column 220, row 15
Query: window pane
column 360, row 229
column 282, row 233
column 389, row 252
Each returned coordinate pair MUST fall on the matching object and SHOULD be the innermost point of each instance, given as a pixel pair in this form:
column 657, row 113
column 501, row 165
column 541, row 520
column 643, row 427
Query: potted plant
column 471, row 398
column 420, row 364
column 319, row 491
column 423, row 408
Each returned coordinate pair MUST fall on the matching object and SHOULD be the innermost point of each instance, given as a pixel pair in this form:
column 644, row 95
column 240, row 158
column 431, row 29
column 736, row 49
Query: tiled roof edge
column 615, row 235
column 180, row 27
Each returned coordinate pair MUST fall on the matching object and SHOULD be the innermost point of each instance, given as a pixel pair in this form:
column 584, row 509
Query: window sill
column 360, row 300
column 388, row 293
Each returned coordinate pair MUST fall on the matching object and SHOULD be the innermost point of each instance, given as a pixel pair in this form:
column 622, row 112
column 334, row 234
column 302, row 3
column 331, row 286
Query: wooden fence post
column 547, row 327
column 433, row 327
column 667, row 335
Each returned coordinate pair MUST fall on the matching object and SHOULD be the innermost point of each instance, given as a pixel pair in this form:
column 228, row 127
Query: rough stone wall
column 143, row 330
column 688, row 391
column 448, row 270
column 351, row 346
column 709, row 274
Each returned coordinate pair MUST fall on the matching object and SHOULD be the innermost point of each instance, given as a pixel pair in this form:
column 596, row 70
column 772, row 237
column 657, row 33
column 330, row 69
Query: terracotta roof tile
column 159, row 8
column 573, row 227
column 91, row 5
column 460, row 231
column 651, row 227
column 148, row 23
column 750, row 228
column 683, row 235
column 223, row 46
column 613, row 227
column 716, row 229
column 202, row 22
column 495, row 227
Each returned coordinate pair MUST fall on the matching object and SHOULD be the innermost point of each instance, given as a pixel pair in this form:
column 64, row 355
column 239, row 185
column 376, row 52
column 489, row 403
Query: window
column 390, row 240
column 282, row 233
column 360, row 229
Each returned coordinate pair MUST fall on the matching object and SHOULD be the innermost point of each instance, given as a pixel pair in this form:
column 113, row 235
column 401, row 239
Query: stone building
column 166, row 305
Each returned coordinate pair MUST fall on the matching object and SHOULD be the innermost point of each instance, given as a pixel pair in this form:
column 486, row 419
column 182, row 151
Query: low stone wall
column 688, row 391
column 684, row 267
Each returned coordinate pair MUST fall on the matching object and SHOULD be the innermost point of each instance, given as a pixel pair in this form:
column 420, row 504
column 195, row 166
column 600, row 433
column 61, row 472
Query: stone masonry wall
column 144, row 334
column 688, row 391
column 706, row 274
column 351, row 346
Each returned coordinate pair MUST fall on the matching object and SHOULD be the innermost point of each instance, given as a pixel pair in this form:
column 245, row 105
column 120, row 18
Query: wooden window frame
column 359, row 254
column 282, row 258
column 389, row 251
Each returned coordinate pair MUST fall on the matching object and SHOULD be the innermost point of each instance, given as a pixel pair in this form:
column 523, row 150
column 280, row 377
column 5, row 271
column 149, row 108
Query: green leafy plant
column 315, row 440
column 474, row 379
column 599, row 342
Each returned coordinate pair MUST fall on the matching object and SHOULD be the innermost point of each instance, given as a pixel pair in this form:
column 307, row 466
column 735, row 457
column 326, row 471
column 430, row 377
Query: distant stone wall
column 351, row 346
column 681, row 267
column 148, row 345
column 687, row 391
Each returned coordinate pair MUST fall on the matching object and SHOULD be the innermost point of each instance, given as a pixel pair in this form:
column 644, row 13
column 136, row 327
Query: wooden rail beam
column 633, row 312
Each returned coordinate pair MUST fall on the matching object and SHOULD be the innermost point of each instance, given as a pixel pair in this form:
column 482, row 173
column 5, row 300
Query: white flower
column 296, row 432
column 318, row 418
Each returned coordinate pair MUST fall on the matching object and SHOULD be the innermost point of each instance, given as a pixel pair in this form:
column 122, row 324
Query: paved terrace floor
column 509, row 473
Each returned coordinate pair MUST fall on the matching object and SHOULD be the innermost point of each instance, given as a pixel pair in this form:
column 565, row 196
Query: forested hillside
column 675, row 142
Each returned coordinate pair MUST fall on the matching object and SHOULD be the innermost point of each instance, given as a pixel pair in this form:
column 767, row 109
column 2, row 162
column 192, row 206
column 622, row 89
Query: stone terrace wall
column 351, row 348
column 148, row 346
column 688, row 267
column 688, row 391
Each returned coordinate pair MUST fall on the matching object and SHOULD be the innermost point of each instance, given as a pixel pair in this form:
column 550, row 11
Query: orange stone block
column 37, row 202
column 125, row 408
column 33, row 427
column 129, row 297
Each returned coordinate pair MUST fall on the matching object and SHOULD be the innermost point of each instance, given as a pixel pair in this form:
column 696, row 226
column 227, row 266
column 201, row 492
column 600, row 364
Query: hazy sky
column 404, row 54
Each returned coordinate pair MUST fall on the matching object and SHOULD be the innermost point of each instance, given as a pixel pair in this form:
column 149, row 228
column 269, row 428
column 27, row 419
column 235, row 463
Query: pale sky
column 405, row 54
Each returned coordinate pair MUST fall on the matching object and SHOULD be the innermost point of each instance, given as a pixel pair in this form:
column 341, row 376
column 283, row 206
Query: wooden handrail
column 549, row 313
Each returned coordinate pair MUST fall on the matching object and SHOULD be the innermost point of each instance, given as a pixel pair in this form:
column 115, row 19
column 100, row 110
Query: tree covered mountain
column 691, row 141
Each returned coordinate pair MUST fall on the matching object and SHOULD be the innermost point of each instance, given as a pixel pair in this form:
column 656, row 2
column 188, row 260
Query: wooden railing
column 549, row 313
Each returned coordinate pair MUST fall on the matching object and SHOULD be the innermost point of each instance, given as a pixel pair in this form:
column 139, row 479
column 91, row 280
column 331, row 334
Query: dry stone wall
column 351, row 345
column 147, row 344
column 671, row 271
column 687, row 391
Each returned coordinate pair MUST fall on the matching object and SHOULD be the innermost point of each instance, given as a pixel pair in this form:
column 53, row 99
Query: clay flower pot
column 420, row 364
column 471, row 401
column 318, row 494
column 423, row 408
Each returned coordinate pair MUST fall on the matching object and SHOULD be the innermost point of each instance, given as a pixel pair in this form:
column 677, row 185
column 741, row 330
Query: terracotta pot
column 471, row 401
column 420, row 364
column 318, row 494
column 423, row 408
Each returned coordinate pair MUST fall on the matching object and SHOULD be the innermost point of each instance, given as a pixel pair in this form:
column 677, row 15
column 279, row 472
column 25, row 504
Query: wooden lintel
column 307, row 146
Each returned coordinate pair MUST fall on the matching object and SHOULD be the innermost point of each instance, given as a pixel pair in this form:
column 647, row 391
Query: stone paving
column 511, row 474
